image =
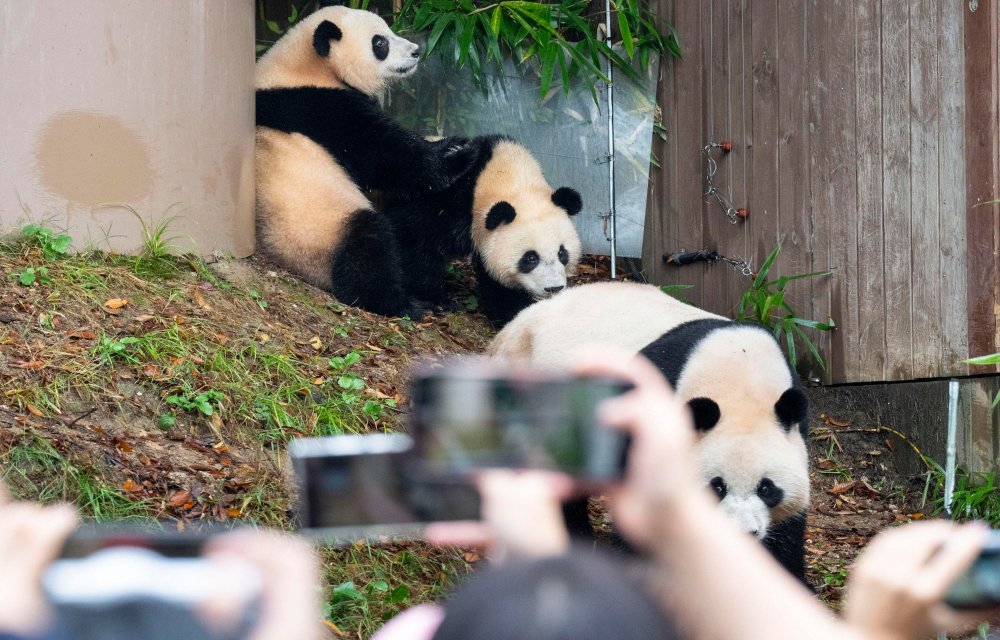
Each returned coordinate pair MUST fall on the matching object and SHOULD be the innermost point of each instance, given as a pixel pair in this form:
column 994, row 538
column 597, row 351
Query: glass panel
column 568, row 134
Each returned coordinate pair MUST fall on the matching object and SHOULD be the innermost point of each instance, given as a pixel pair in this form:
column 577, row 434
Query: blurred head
column 574, row 597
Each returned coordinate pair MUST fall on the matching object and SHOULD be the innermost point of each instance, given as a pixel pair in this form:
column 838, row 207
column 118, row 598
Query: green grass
column 370, row 584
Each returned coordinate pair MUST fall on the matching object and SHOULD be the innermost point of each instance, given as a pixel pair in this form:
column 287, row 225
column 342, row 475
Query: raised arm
column 376, row 151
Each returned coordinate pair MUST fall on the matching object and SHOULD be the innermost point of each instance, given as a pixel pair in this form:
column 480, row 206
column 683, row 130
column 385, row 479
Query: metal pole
column 611, row 140
column 949, row 475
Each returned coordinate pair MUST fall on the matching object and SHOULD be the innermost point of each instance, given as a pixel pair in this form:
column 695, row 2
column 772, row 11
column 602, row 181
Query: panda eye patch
column 528, row 262
column 563, row 255
column 770, row 493
column 719, row 487
column 380, row 47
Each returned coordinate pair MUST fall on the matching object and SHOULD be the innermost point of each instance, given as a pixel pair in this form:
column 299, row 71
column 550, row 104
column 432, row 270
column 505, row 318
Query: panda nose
column 554, row 289
column 415, row 53
column 753, row 532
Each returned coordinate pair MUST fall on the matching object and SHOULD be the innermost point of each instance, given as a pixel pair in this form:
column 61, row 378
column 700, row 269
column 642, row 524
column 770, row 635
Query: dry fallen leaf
column 317, row 381
column 843, row 487
column 316, row 343
column 234, row 513
column 471, row 556
column 34, row 410
column 826, row 464
column 21, row 364
column 180, row 498
column 116, row 303
column 149, row 371
column 143, row 318
column 263, row 337
column 837, row 423
column 132, row 486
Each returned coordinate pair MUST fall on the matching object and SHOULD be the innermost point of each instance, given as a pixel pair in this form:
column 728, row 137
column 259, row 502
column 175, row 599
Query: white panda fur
column 737, row 366
column 322, row 142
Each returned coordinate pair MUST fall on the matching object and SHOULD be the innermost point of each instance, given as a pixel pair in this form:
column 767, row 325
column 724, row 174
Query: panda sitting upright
column 322, row 141
column 748, row 405
column 504, row 213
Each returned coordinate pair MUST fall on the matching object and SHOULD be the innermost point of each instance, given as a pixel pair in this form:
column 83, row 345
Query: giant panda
column 748, row 405
column 503, row 212
column 322, row 142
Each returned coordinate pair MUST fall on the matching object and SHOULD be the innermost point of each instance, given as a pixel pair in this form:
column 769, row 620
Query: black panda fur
column 377, row 153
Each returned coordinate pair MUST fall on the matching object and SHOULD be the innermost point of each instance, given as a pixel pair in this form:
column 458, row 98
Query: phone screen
column 355, row 487
column 979, row 586
column 464, row 421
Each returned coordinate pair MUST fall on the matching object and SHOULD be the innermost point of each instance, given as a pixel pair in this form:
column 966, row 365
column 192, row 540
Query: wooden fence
column 863, row 133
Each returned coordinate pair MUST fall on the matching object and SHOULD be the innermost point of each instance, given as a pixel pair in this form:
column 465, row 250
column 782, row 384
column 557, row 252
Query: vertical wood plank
column 953, row 312
column 690, row 134
column 662, row 215
column 833, row 178
column 925, row 241
column 983, row 165
column 719, row 233
column 896, row 186
column 763, row 222
column 741, row 119
column 793, row 156
column 871, row 275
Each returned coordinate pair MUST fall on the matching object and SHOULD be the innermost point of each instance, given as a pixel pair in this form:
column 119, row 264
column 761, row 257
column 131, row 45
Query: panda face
column 362, row 50
column 759, row 478
column 533, row 248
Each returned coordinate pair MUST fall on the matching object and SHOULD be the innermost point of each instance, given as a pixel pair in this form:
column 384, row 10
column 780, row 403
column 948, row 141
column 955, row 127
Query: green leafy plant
column 976, row 495
column 31, row 275
column 674, row 290
column 53, row 245
column 201, row 402
column 261, row 302
column 557, row 35
column 111, row 348
column 347, row 595
column 764, row 302
column 987, row 360
column 342, row 363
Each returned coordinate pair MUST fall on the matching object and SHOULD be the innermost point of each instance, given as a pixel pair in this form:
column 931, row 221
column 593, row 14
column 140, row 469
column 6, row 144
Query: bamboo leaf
column 984, row 360
column 812, row 347
column 762, row 274
column 495, row 22
column 790, row 339
column 468, row 33
column 548, row 56
column 563, row 71
column 442, row 23
column 626, row 34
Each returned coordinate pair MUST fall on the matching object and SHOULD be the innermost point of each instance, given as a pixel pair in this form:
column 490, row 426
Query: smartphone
column 357, row 487
column 472, row 415
column 979, row 586
column 113, row 582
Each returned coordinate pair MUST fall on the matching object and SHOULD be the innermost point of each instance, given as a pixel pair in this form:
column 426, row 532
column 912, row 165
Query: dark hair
column 572, row 597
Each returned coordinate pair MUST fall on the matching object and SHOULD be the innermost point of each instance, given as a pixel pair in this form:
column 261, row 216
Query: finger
column 603, row 360
column 465, row 534
column 4, row 496
column 960, row 550
column 910, row 546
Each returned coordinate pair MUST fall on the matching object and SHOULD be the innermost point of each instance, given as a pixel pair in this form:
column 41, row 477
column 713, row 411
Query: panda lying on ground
column 322, row 140
column 748, row 405
column 502, row 211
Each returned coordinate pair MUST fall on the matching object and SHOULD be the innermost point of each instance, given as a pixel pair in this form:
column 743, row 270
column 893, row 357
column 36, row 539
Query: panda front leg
column 366, row 268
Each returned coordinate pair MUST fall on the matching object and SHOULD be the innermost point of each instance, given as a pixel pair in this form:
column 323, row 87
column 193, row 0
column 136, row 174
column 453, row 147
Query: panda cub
column 322, row 141
column 748, row 406
column 503, row 212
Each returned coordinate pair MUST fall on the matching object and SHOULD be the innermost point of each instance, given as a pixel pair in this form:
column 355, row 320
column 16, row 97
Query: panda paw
column 455, row 163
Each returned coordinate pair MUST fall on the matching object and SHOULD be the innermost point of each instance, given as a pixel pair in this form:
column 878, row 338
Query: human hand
column 31, row 537
column 522, row 515
column 897, row 587
column 659, row 471
column 289, row 569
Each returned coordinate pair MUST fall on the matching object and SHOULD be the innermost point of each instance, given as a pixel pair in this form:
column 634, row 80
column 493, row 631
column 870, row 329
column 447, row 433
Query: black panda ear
column 325, row 32
column 705, row 412
column 323, row 4
column 568, row 199
column 792, row 408
column 501, row 213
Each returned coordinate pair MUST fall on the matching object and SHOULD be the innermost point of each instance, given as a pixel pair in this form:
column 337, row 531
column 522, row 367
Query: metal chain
column 742, row 265
column 727, row 206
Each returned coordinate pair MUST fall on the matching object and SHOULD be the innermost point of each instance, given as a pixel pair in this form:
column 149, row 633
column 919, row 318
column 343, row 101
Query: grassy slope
column 107, row 405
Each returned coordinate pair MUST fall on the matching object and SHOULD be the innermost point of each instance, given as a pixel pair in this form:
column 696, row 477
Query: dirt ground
column 167, row 389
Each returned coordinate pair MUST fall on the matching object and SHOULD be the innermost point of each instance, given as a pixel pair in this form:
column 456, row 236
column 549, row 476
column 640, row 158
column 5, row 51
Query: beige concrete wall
column 147, row 103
